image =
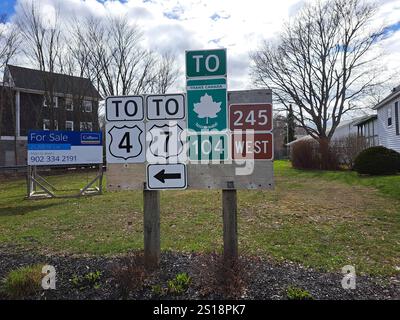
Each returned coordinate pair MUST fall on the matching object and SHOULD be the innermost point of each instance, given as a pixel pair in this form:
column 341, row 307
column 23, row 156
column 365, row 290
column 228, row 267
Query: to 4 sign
column 127, row 108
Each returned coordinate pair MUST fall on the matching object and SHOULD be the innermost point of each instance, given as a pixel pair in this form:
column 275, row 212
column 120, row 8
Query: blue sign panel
column 64, row 147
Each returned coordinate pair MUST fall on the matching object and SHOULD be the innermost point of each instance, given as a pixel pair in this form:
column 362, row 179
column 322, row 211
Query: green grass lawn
column 321, row 219
column 387, row 185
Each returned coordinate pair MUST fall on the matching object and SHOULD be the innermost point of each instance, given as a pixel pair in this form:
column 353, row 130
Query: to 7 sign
column 257, row 117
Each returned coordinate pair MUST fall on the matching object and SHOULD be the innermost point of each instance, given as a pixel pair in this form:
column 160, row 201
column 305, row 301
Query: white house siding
column 345, row 129
column 387, row 135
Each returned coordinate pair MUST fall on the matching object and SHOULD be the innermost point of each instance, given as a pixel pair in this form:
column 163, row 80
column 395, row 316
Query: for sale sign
column 64, row 148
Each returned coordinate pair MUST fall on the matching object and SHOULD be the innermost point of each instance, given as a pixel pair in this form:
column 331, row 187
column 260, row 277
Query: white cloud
column 199, row 24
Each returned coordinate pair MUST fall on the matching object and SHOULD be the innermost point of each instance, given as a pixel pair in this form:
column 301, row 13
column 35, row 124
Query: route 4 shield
column 125, row 142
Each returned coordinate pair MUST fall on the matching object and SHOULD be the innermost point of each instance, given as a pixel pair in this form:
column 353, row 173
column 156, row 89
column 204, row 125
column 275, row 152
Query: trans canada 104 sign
column 206, row 101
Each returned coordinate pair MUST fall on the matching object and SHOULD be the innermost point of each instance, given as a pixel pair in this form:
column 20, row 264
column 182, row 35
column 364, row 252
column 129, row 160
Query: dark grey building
column 33, row 99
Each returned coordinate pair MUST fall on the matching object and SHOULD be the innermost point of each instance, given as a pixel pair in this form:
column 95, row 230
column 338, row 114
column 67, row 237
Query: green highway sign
column 207, row 147
column 206, row 63
column 206, row 104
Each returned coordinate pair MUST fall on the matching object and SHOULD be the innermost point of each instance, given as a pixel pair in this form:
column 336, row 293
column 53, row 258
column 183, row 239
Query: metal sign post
column 39, row 188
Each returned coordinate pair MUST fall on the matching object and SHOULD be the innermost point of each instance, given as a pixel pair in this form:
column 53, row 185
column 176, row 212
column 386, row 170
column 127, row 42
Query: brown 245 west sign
column 251, row 125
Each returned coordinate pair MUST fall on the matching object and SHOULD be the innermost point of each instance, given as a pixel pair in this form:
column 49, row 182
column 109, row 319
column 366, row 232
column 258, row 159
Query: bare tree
column 43, row 45
column 110, row 53
column 322, row 63
column 9, row 46
column 166, row 73
column 9, row 42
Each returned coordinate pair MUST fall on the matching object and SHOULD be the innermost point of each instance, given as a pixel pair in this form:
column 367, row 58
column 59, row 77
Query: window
column 69, row 125
column 87, row 106
column 86, row 126
column 46, row 124
column 69, row 105
column 396, row 117
column 389, row 116
column 55, row 102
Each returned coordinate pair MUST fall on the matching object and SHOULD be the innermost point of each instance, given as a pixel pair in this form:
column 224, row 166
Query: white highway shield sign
column 125, row 142
column 166, row 176
column 165, row 141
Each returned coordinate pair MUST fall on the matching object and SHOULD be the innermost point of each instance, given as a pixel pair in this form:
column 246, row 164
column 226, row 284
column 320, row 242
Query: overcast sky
column 238, row 26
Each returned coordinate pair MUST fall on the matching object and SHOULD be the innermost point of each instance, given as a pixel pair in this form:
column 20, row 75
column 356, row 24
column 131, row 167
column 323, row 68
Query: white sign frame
column 176, row 168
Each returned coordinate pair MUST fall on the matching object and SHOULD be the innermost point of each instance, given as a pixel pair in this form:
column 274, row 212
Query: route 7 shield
column 165, row 141
column 125, row 142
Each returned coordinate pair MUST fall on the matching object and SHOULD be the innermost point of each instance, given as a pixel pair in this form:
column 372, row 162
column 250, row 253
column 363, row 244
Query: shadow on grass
column 25, row 209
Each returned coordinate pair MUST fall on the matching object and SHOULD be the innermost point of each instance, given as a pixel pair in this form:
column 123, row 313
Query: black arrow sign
column 162, row 176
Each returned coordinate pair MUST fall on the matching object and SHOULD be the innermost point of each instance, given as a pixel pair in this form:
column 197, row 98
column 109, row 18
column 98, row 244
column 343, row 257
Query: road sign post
column 191, row 144
column 151, row 227
column 229, row 216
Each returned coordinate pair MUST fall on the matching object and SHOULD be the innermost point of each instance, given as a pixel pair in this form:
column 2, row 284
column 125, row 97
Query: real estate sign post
column 62, row 148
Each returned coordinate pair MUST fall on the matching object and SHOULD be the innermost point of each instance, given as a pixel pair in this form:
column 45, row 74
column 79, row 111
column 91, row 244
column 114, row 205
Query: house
column 25, row 97
column 382, row 128
column 345, row 128
column 388, row 121
column 367, row 127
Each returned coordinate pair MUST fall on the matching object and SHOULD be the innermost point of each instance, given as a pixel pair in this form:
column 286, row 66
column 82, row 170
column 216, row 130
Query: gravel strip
column 255, row 278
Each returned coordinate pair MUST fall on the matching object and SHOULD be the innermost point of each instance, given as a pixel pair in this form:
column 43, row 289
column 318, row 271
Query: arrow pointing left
column 161, row 176
column 166, row 176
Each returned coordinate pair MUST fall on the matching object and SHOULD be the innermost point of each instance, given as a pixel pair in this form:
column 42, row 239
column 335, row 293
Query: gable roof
column 366, row 119
column 393, row 95
column 32, row 79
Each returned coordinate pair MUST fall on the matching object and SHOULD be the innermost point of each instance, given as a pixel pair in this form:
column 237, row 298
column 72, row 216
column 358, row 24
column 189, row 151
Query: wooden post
column 152, row 247
column 229, row 212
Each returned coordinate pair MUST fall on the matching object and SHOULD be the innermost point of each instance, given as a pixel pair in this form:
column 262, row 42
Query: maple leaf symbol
column 207, row 108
